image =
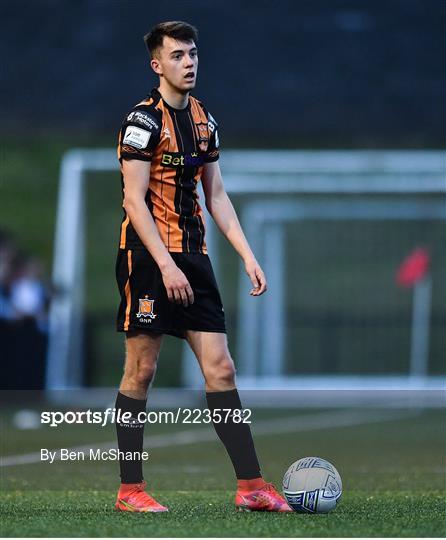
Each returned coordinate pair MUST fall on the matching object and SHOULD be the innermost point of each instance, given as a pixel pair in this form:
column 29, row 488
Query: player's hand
column 256, row 276
column 177, row 286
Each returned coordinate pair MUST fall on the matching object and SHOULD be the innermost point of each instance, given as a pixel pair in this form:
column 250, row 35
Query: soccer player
column 167, row 144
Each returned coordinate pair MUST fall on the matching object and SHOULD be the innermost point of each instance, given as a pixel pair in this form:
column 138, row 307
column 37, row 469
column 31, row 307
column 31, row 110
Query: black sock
column 130, row 438
column 236, row 436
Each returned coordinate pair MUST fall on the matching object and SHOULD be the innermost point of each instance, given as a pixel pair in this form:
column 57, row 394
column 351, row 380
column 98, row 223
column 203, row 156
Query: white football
column 312, row 485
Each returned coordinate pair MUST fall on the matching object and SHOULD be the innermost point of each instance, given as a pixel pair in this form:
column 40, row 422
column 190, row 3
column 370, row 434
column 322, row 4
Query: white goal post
column 254, row 172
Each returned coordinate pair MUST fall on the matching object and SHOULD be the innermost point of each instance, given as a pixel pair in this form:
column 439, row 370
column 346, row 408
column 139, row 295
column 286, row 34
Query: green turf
column 393, row 473
column 203, row 514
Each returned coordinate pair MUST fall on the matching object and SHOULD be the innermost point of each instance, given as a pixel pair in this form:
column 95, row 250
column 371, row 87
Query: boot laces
column 270, row 487
column 141, row 495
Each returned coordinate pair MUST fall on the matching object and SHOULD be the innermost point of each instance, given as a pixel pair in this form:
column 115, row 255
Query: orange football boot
column 264, row 499
column 133, row 498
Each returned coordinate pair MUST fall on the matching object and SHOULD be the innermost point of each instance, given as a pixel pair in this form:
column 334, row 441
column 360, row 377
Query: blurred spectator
column 6, row 265
column 23, row 317
column 28, row 294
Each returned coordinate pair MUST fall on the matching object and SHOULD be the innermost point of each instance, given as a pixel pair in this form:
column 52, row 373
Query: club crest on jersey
column 146, row 312
column 203, row 136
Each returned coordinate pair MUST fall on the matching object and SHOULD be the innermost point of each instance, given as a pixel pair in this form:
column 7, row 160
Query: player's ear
column 155, row 65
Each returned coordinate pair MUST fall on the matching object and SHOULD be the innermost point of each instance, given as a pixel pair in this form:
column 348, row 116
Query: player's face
column 177, row 63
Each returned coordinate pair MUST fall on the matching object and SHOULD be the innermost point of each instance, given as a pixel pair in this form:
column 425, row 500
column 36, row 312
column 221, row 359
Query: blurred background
column 344, row 105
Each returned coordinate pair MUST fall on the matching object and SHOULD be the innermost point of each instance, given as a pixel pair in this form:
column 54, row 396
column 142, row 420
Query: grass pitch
column 211, row 514
column 393, row 472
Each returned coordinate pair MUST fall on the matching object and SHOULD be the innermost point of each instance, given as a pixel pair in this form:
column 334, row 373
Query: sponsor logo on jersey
column 137, row 137
column 140, row 117
column 212, row 121
column 178, row 159
column 146, row 311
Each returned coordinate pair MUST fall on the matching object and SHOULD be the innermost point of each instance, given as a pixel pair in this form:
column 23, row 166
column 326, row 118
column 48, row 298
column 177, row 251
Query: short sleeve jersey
column 177, row 142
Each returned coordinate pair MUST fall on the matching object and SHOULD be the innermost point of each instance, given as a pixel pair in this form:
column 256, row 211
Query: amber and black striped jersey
column 178, row 143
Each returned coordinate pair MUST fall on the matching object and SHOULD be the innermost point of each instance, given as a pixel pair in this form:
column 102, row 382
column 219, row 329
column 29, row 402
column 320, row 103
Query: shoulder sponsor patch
column 137, row 137
column 212, row 124
column 143, row 118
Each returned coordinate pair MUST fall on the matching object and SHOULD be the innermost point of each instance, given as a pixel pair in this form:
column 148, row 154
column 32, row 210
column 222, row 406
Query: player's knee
column 145, row 373
column 222, row 375
column 140, row 369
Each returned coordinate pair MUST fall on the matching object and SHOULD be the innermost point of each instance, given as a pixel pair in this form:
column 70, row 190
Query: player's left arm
column 220, row 207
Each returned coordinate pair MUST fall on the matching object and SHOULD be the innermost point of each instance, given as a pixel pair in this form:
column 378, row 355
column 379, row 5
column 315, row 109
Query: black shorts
column 144, row 304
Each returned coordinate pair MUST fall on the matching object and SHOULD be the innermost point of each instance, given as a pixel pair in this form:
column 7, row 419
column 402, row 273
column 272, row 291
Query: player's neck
column 172, row 97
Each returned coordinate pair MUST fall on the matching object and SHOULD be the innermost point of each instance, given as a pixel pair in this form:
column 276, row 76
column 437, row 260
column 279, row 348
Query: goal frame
column 254, row 172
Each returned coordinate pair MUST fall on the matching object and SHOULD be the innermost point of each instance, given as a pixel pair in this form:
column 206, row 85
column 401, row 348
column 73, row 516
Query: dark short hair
column 182, row 31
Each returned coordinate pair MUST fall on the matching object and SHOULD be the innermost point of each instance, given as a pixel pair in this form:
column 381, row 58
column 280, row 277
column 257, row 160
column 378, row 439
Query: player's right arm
column 136, row 174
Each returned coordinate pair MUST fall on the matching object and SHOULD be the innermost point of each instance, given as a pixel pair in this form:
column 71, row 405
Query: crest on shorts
column 146, row 308
column 203, row 136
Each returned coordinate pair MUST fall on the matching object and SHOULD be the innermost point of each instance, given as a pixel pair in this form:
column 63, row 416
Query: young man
column 167, row 144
